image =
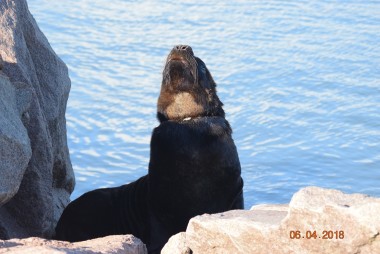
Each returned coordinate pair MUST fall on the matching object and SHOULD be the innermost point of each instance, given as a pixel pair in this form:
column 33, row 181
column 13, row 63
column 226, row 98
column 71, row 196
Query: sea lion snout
column 180, row 72
column 183, row 48
column 181, row 52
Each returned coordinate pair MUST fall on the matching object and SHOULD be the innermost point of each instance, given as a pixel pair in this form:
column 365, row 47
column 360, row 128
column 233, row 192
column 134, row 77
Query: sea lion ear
column 216, row 104
column 204, row 75
column 210, row 80
column 203, row 69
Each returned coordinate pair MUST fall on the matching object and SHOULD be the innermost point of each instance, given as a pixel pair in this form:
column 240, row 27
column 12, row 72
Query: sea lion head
column 188, row 89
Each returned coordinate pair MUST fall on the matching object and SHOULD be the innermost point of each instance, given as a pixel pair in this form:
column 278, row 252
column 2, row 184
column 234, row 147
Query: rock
column 15, row 149
column 177, row 244
column 36, row 176
column 351, row 222
column 117, row 244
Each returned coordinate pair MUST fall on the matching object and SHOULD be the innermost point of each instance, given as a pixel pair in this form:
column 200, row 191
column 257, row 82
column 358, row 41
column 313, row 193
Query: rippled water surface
column 300, row 81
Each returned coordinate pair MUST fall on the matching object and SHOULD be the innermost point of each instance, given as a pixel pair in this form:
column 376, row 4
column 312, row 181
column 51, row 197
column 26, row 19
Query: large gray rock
column 118, row 244
column 36, row 176
column 15, row 149
column 353, row 220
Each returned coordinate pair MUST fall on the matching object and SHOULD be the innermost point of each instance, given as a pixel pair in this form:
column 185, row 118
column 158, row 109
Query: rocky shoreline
column 118, row 244
column 315, row 221
column 36, row 176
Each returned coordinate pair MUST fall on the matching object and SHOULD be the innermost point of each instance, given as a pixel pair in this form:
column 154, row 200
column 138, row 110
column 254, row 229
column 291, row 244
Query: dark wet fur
column 194, row 169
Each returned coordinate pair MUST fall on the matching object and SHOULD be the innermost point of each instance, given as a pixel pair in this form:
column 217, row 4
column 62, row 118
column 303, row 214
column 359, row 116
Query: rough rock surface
column 267, row 228
column 117, row 244
column 36, row 176
column 15, row 149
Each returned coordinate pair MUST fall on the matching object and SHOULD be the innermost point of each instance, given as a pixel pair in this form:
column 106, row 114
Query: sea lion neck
column 179, row 106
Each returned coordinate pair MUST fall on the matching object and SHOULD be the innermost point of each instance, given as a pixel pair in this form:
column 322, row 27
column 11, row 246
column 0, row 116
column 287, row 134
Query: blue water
column 300, row 81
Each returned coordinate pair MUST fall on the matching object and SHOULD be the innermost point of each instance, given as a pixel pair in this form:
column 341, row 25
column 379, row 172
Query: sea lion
column 194, row 167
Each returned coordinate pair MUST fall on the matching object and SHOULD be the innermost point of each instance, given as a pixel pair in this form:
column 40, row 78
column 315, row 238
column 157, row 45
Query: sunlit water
column 300, row 81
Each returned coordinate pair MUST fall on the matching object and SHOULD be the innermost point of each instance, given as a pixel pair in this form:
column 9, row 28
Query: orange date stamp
column 309, row 234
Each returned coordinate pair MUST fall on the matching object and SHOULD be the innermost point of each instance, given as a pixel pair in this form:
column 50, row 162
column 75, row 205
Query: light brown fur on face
column 183, row 106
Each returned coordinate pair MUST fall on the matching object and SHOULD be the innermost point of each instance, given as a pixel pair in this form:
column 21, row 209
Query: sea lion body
column 194, row 167
column 106, row 211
